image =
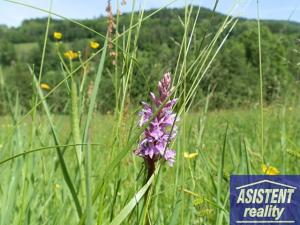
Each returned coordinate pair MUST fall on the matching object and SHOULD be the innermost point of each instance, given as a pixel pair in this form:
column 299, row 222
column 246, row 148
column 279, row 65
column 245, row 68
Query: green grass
column 46, row 199
column 25, row 48
column 79, row 168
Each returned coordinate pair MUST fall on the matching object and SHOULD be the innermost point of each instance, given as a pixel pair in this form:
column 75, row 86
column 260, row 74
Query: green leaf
column 133, row 202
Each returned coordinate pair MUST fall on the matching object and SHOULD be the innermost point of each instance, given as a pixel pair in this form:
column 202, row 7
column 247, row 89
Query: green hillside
column 233, row 74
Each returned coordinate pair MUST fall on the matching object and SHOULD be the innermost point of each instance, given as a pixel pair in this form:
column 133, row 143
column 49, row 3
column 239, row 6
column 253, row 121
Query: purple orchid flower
column 161, row 130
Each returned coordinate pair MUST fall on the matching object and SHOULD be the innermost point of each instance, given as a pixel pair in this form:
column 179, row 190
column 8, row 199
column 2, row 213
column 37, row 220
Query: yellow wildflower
column 269, row 170
column 57, row 35
column 45, row 86
column 189, row 155
column 71, row 55
column 94, row 44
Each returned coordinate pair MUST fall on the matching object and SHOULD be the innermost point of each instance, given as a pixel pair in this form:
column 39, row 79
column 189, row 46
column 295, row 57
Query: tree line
column 234, row 73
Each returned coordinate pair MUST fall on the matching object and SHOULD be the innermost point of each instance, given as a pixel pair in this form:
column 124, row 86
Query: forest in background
column 233, row 77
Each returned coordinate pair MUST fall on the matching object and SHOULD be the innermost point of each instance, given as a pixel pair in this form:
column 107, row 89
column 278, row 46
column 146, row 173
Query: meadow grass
column 40, row 191
column 79, row 168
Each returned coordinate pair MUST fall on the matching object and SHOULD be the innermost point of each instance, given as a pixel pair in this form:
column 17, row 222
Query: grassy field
column 194, row 191
column 79, row 167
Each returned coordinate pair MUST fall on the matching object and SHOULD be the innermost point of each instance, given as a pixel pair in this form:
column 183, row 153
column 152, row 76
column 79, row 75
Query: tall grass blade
column 133, row 202
column 63, row 165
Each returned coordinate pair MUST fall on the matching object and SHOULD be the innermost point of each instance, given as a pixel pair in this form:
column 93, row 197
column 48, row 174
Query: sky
column 12, row 13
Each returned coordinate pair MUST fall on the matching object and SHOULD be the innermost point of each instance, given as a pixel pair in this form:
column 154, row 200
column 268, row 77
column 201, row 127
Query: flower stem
column 147, row 197
column 150, row 166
